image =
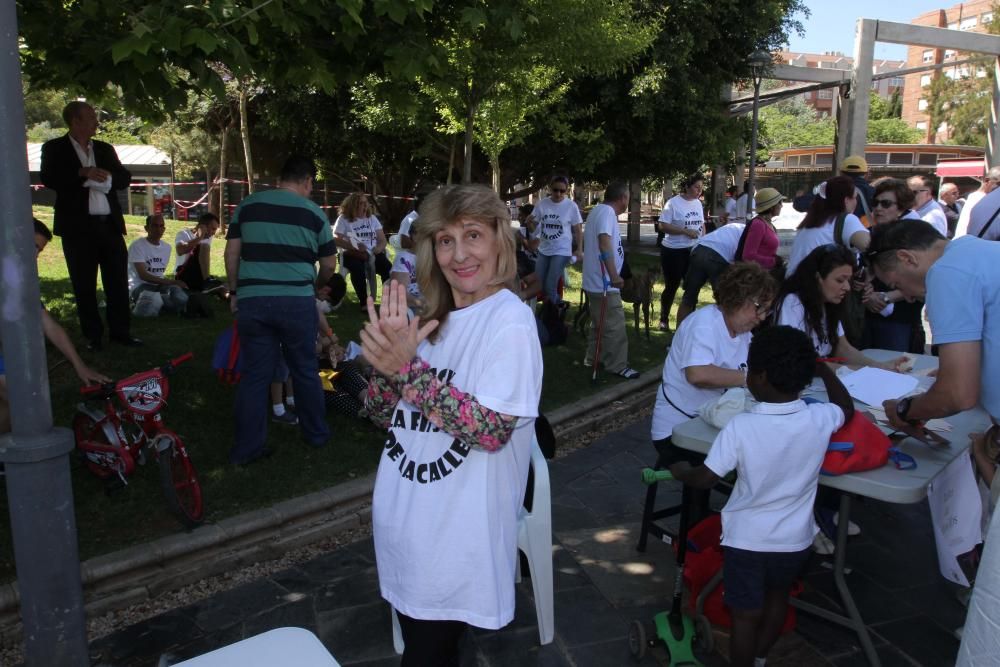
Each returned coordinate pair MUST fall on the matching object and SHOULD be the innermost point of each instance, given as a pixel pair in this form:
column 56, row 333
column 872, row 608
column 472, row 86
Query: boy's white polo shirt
column 777, row 450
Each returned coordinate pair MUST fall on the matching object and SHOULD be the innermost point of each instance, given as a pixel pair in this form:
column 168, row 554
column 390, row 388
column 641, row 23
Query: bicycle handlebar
column 187, row 356
column 97, row 388
column 109, row 387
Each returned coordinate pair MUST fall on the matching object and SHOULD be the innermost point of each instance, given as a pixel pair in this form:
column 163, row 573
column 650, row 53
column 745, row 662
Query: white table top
column 886, row 483
column 274, row 648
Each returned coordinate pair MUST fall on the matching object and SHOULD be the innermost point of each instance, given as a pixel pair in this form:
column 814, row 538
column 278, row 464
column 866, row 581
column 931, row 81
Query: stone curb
column 122, row 578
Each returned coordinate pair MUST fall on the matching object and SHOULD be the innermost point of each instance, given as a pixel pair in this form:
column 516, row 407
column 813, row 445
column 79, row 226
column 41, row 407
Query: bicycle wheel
column 179, row 481
column 86, row 429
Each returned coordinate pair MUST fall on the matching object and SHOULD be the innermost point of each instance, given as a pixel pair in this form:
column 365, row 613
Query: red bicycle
column 112, row 438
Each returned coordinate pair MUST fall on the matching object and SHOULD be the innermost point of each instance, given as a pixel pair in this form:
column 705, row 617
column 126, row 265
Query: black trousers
column 357, row 267
column 430, row 643
column 98, row 243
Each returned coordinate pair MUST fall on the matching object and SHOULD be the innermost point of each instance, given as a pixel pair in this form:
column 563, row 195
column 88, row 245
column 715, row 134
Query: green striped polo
column 282, row 237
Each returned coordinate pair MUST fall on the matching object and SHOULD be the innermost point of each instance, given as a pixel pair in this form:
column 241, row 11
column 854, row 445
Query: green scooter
column 675, row 629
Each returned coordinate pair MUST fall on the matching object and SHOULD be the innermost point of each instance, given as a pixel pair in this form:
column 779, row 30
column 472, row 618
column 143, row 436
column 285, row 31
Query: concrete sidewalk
column 601, row 584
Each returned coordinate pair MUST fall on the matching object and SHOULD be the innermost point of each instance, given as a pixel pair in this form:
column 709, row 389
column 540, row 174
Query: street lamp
column 758, row 61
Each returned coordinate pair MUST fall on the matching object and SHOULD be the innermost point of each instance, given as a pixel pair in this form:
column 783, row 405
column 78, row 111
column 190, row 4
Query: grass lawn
column 200, row 410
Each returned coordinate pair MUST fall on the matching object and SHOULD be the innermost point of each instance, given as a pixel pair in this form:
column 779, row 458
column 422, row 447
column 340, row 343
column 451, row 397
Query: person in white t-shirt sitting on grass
column 683, row 223
column 194, row 253
column 359, row 234
column 776, row 450
column 149, row 289
column 458, row 390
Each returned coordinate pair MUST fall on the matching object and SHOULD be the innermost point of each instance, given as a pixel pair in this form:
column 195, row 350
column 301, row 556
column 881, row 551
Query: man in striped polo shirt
column 275, row 239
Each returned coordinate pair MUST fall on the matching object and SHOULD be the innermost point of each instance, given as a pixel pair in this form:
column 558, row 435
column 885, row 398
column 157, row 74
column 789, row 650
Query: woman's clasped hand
column 390, row 338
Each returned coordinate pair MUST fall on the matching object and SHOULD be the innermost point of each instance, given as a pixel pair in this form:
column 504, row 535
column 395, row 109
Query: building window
column 824, row 159
column 806, row 160
column 921, row 124
column 901, row 158
column 926, row 159
column 921, row 105
column 825, row 94
column 980, row 72
column 925, row 80
column 969, row 23
column 791, row 160
column 953, row 25
column 943, row 127
column 949, row 54
column 986, row 18
column 876, row 158
column 896, row 82
column 929, row 56
column 947, row 155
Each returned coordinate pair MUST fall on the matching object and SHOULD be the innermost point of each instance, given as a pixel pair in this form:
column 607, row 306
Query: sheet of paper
column 956, row 513
column 874, row 385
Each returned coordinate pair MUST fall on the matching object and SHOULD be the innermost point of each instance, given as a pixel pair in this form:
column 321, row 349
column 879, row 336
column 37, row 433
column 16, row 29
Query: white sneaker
column 823, row 545
column 852, row 528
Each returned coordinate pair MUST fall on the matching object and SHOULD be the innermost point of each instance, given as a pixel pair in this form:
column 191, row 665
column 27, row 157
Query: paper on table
column 874, row 385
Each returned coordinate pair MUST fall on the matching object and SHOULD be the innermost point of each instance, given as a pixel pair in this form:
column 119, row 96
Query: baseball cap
column 854, row 164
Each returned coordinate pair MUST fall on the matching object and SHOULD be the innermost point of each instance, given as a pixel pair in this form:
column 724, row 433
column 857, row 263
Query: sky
column 830, row 26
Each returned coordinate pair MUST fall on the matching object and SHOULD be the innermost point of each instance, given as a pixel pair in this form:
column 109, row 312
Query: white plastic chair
column 534, row 538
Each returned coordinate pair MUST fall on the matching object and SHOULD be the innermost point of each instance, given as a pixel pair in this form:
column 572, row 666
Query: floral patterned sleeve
column 381, row 400
column 452, row 410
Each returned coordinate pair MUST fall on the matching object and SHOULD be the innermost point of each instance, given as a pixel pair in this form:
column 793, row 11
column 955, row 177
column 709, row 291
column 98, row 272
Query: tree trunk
column 223, row 217
column 634, row 209
column 451, row 157
column 245, row 135
column 495, row 167
column 469, row 123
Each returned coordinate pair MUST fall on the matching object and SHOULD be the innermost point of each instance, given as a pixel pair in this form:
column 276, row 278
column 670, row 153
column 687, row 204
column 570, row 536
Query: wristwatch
column 903, row 408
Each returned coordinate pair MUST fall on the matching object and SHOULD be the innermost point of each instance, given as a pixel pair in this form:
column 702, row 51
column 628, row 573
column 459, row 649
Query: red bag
column 703, row 560
column 226, row 358
column 856, row 446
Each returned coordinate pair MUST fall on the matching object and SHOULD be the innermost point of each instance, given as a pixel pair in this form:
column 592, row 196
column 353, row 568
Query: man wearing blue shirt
column 958, row 280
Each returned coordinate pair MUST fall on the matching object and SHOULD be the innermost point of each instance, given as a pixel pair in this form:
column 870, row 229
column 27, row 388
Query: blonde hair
column 447, row 206
column 354, row 206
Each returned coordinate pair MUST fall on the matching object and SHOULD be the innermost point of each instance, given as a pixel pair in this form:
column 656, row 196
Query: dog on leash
column 637, row 290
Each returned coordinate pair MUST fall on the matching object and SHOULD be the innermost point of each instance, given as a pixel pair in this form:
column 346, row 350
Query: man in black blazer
column 86, row 176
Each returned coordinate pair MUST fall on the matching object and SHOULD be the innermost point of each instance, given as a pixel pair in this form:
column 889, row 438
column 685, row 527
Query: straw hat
column 767, row 198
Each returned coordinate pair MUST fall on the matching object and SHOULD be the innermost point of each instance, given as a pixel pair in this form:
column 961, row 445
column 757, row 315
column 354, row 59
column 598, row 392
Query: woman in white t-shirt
column 709, row 351
column 683, row 223
column 810, row 299
column 834, row 197
column 458, row 391
column 557, row 221
column 359, row 234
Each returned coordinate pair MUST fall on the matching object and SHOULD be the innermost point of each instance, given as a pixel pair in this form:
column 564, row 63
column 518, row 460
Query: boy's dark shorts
column 747, row 575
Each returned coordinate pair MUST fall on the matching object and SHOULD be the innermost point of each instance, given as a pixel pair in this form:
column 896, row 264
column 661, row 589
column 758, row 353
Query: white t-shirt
column 807, row 240
column 186, row 236
column 601, row 220
column 724, row 240
column 777, row 450
column 155, row 257
column 363, row 230
column 933, row 213
column 445, row 515
column 406, row 262
column 981, row 215
column 731, row 209
column 963, row 218
column 741, row 209
column 793, row 314
column 407, row 222
column 555, row 222
column 686, row 213
column 702, row 339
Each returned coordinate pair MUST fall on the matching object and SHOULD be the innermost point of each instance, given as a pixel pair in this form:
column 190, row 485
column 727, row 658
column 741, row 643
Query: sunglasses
column 885, row 203
column 559, row 190
column 871, row 254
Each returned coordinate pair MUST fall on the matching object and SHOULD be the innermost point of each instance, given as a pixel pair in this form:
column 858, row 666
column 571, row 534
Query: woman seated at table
column 459, row 396
column 709, row 353
column 810, row 299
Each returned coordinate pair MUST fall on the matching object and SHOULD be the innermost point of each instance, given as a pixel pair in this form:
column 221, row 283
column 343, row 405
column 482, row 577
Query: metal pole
column 43, row 523
column 753, row 144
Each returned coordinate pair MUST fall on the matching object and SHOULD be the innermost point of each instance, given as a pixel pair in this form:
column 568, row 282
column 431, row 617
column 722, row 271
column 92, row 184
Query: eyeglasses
column 920, row 190
column 885, row 203
column 762, row 310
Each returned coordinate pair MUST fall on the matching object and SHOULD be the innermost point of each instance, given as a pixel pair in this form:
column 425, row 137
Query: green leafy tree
column 892, row 131
column 791, row 123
